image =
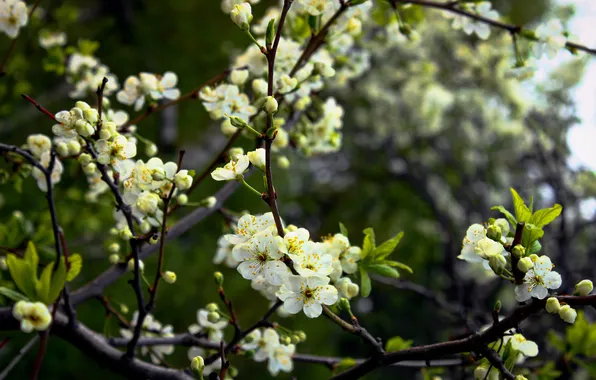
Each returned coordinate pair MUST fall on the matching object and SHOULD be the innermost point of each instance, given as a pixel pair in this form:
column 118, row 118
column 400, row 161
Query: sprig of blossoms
column 148, row 87
column 152, row 328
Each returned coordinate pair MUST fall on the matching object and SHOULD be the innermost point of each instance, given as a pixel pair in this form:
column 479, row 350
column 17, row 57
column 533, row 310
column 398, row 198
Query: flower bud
column 518, row 251
column 241, row 15
column 219, row 278
column 114, row 259
column 584, row 287
column 147, row 203
column 125, row 233
column 497, row 307
column 91, row 115
column 353, row 290
column 257, row 158
column 520, row 377
column 485, row 372
column 85, row 159
column 82, row 106
column 62, row 149
column 283, row 162
column 74, row 147
column 227, row 128
column 83, row 128
column 105, row 134
column 235, row 153
column 567, row 313
column 497, row 263
column 238, row 122
column 259, row 87
column 90, row 168
column 295, row 339
column 131, row 265
column 212, row 307
column 197, row 365
column 213, row 316
column 151, row 150
column 233, row 371
column 3, row 264
column 552, row 305
column 145, row 227
column 239, row 77
column 182, row 199
column 169, row 277
column 114, row 248
column 209, row 202
column 154, row 239
column 302, row 103
column 354, row 26
column 525, row 264
column 285, row 340
column 271, row 105
column 493, row 232
column 183, row 180
column 301, row 335
column 324, row 69
column 124, row 308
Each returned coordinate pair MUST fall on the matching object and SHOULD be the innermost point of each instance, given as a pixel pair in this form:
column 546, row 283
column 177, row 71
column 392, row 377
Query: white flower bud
column 584, row 287
column 131, row 265
column 114, row 248
column 82, row 105
column 74, row 147
column 62, row 149
column 125, row 233
column 209, row 202
column 114, row 259
column 145, row 227
column 158, row 174
column 147, row 202
column 182, row 180
column 150, row 150
column 197, row 364
column 227, row 128
column 169, row 277
column 283, row 162
column 552, row 305
column 239, row 77
column 182, row 199
column 212, row 307
column 85, row 159
column 241, row 15
column 259, row 87
column 525, row 264
column 105, row 134
column 324, row 69
column 567, row 313
column 90, row 169
column 91, row 115
column 485, row 372
column 213, row 317
column 83, row 128
column 271, row 105
column 257, row 158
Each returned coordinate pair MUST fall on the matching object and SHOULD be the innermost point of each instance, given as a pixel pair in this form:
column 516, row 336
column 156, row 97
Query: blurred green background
column 392, row 174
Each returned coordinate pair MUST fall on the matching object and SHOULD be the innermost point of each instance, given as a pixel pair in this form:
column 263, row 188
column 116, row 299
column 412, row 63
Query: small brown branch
column 4, row 374
column 496, row 361
column 233, row 319
column 225, row 364
column 105, row 301
column 39, row 107
column 99, row 92
column 40, row 354
column 357, row 330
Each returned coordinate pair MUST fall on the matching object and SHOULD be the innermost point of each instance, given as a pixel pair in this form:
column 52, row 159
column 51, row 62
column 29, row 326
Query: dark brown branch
column 39, row 107
column 357, row 330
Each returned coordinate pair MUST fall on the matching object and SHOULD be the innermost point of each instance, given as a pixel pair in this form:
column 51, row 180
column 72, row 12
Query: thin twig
column 18, row 357
column 39, row 107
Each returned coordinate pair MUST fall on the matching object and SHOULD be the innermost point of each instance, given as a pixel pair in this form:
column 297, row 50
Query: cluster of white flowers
column 152, row 328
column 477, row 247
column 32, row 315
column 49, row 39
column 86, row 74
column 148, row 87
column 13, row 16
column 267, row 346
column 262, row 256
column 322, row 136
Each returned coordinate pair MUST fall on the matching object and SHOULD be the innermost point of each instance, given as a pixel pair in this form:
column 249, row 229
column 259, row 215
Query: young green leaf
column 12, row 294
column 270, row 35
column 76, row 263
column 522, row 212
column 368, row 245
column 543, row 217
column 343, row 230
column 42, row 286
column 365, row 284
column 530, row 235
column 32, row 257
column 510, row 218
column 383, row 270
column 535, row 247
column 399, row 265
column 57, row 283
column 397, row 343
column 387, row 247
column 22, row 275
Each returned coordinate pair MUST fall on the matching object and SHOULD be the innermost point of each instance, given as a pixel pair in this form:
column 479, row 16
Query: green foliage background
column 195, row 39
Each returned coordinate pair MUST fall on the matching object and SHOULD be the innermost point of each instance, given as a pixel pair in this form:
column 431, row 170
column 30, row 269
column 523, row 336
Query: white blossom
column 232, row 170
column 13, row 16
column 260, row 255
column 308, row 294
column 550, row 39
column 538, row 280
column 32, row 315
column 212, row 329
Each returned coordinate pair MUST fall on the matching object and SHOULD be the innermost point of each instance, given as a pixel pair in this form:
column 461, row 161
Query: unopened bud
column 233, row 371
column 497, row 306
column 131, row 265
column 154, row 239
column 145, row 227
column 3, row 264
column 295, row 339
column 182, row 199
column 525, row 264
column 219, row 278
column 271, row 105
column 344, row 304
column 90, row 168
column 114, row 258
column 283, row 162
column 85, row 159
column 114, row 248
column 552, row 305
column 197, row 365
column 212, row 307
column 301, row 335
column 567, row 313
column 91, row 115
column 285, row 340
column 584, row 287
column 494, row 232
column 239, row 77
column 169, row 277
column 151, row 150
column 62, row 149
column 238, row 122
column 213, row 317
column 209, row 202
column 518, row 251
column 125, row 233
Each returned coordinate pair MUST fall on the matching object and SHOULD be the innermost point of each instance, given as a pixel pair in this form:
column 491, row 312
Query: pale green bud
column 105, row 102
column 259, row 87
column 158, row 174
column 169, row 277
column 227, row 128
column 283, row 162
column 324, row 69
column 568, row 314
column 241, row 15
column 125, row 233
column 525, row 264
column 301, row 335
column 182, row 199
column 520, row 377
column 238, row 122
column 114, row 248
column 82, row 105
column 145, row 227
column 213, row 316
column 3, row 264
column 295, row 339
column 493, row 232
column 497, row 263
column 271, row 105
column 518, row 251
column 62, row 149
column 114, row 258
column 303, row 103
column 209, row 202
column 131, row 265
column 584, row 287
column 90, row 169
column 219, row 278
column 212, row 307
column 233, row 371
column 150, row 150
column 85, row 159
column 285, row 340
column 154, row 239
column 105, row 134
column 197, row 365
column 83, row 128
column 552, row 305
column 91, row 115
column 239, row 77
column 344, row 304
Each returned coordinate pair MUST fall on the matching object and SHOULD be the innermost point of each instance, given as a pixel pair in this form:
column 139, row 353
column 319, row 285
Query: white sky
column 582, row 138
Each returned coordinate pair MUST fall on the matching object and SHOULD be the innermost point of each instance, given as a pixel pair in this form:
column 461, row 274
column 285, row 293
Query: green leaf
column 365, row 284
column 270, row 35
column 387, row 247
column 530, row 235
column 397, row 343
column 343, row 230
column 22, row 275
column 522, row 212
column 32, row 257
column 399, row 265
column 510, row 218
column 383, row 270
column 543, row 217
column 57, row 283
column 535, row 247
column 368, row 245
column 12, row 294
column 75, row 263
column 42, row 286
